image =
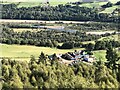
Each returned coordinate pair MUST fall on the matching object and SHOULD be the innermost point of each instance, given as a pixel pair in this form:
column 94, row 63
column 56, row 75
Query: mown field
column 115, row 37
column 110, row 9
column 24, row 52
column 91, row 5
column 32, row 3
column 25, row 29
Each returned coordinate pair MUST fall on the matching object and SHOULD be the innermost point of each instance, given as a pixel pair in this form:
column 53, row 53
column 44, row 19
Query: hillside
column 96, row 4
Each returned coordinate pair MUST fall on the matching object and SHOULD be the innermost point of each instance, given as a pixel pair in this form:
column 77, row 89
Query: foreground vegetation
column 44, row 73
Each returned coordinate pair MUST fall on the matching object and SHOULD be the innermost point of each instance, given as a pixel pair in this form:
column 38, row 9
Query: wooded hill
column 59, row 12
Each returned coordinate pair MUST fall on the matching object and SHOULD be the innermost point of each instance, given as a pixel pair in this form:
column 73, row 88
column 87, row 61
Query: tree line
column 95, row 26
column 98, row 45
column 61, row 12
column 47, row 38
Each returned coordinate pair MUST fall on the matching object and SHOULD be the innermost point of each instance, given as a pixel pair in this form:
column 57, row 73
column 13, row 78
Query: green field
column 29, row 4
column 115, row 37
column 25, row 51
column 32, row 3
column 91, row 5
column 110, row 9
column 100, row 55
column 25, row 29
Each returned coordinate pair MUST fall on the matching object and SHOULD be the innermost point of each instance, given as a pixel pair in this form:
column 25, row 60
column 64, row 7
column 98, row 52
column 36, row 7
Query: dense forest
column 44, row 73
column 96, row 26
column 49, row 38
column 44, row 36
column 99, row 45
column 60, row 12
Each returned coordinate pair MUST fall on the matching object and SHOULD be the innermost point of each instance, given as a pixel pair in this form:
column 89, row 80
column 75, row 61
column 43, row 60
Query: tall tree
column 112, row 58
column 42, row 58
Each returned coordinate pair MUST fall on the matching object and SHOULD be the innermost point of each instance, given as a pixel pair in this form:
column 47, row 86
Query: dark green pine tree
column 42, row 58
column 112, row 58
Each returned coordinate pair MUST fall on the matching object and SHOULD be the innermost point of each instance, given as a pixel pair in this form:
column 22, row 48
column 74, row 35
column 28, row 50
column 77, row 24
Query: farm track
column 37, row 21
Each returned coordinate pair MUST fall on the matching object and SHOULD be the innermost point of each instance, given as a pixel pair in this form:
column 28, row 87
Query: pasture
column 110, row 9
column 91, row 5
column 25, row 51
column 100, row 55
column 28, row 4
column 25, row 29
column 32, row 3
column 115, row 37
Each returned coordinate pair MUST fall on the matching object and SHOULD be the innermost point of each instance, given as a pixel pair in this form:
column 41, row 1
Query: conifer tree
column 112, row 58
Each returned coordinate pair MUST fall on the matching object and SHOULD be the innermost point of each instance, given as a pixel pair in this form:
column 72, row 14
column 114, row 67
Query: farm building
column 71, row 58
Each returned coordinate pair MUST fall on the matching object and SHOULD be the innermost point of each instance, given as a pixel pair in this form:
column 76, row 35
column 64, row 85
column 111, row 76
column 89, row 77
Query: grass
column 86, row 42
column 110, row 9
column 91, row 5
column 115, row 37
column 25, row 51
column 28, row 4
column 100, row 55
column 25, row 29
column 32, row 3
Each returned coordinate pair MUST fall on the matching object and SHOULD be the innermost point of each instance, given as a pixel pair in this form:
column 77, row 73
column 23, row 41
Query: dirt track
column 35, row 21
column 99, row 33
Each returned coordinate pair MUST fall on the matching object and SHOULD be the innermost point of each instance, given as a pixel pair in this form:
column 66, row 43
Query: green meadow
column 91, row 5
column 23, row 52
column 110, row 9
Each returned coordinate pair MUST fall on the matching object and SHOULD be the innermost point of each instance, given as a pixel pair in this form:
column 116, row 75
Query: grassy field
column 110, row 9
column 55, row 3
column 25, row 29
column 29, row 4
column 91, row 5
column 115, row 37
column 100, row 55
column 25, row 51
